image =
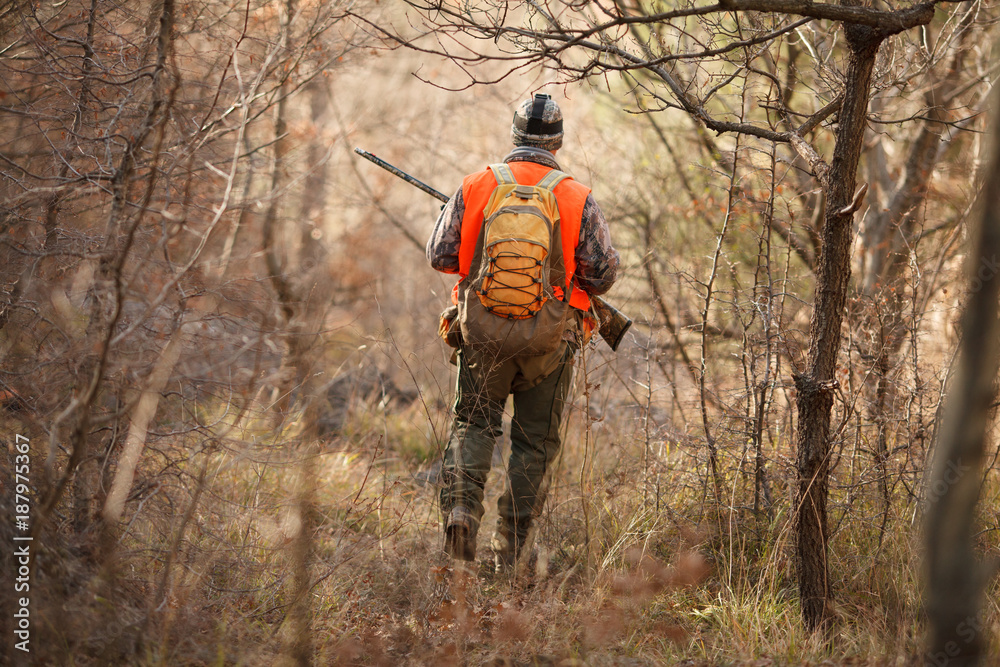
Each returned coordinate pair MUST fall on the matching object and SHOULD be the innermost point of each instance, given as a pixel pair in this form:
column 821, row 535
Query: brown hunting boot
column 460, row 534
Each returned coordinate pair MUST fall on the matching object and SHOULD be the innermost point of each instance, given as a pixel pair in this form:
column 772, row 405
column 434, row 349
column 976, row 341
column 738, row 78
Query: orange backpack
column 507, row 304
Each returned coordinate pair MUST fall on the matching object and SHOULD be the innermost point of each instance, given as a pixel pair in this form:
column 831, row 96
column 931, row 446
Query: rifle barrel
column 403, row 175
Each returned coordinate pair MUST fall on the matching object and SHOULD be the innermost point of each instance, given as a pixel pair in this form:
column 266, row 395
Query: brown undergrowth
column 669, row 582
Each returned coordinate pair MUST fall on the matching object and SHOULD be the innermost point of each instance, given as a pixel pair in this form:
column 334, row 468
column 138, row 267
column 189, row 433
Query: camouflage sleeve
column 442, row 247
column 596, row 259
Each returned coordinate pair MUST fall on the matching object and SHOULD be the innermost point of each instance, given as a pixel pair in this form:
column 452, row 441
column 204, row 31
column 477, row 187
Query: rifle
column 614, row 323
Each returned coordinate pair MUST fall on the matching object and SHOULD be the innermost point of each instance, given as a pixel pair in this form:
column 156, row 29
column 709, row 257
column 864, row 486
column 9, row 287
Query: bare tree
column 133, row 293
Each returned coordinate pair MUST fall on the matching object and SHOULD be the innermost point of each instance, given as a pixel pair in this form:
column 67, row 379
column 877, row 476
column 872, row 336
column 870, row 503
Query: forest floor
column 649, row 587
column 638, row 574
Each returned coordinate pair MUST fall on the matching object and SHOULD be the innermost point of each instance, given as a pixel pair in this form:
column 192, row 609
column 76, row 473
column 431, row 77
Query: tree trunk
column 957, row 578
column 312, row 252
column 815, row 387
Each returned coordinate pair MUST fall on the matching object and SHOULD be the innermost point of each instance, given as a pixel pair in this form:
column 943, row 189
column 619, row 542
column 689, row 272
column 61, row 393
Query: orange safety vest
column 570, row 197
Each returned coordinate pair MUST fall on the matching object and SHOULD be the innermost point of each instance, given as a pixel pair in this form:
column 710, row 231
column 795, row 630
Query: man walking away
column 529, row 245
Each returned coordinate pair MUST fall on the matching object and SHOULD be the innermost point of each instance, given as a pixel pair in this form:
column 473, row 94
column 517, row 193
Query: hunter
column 580, row 262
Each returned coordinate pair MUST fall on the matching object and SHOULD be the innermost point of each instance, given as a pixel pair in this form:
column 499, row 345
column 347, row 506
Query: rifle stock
column 613, row 322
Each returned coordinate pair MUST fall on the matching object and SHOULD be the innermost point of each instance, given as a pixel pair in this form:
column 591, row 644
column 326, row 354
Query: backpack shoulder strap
column 549, row 182
column 552, row 179
column 503, row 174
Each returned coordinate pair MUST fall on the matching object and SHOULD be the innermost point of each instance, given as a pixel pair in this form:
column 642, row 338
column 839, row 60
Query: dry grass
column 665, row 585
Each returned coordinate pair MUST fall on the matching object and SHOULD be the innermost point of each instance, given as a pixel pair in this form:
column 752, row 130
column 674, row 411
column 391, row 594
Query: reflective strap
column 503, row 174
column 536, row 119
column 552, row 179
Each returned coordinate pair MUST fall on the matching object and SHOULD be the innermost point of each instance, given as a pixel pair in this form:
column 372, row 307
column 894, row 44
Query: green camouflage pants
column 539, row 386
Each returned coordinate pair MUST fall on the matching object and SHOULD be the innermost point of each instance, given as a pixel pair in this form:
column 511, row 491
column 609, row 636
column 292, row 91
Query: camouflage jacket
column 596, row 259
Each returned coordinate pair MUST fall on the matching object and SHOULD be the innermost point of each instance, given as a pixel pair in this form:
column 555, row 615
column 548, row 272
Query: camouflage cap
column 538, row 122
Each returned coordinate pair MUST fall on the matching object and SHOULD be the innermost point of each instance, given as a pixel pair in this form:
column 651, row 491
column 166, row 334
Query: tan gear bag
column 508, row 304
